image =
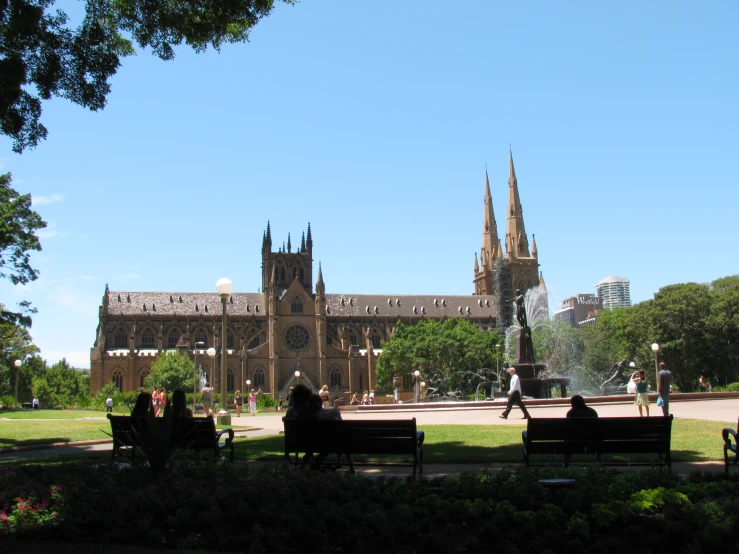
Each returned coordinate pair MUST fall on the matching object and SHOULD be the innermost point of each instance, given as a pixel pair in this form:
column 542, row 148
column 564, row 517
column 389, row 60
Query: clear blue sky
column 374, row 121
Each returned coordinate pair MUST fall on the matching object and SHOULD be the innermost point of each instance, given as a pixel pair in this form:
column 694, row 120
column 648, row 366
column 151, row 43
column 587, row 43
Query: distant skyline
column 375, row 123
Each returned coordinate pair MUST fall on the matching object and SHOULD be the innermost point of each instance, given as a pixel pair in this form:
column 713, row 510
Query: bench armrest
column 220, row 433
column 420, row 436
column 725, row 434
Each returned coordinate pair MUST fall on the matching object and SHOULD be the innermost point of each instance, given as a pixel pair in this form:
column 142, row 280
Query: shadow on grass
column 10, row 443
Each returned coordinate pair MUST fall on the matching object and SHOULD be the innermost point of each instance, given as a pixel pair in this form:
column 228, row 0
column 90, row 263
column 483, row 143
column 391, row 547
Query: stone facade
column 332, row 339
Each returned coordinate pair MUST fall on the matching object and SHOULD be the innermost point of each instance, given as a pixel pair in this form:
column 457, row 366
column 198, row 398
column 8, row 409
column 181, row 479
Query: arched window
column 142, row 378
column 375, row 339
column 282, row 274
column 229, row 340
column 121, row 338
column 147, row 338
column 353, row 339
column 173, row 338
column 201, row 336
column 296, row 306
column 302, row 274
column 409, row 381
column 259, row 378
column 230, row 380
column 335, row 378
column 117, row 378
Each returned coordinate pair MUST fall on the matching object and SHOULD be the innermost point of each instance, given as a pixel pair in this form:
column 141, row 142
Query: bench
column 729, row 447
column 130, row 435
column 598, row 436
column 350, row 437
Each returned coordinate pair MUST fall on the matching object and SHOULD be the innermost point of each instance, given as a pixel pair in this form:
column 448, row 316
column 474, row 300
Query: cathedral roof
column 194, row 304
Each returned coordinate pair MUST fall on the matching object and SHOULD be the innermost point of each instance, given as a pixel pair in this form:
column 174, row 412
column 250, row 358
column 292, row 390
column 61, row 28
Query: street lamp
column 417, row 389
column 195, row 374
column 297, row 377
column 655, row 349
column 212, row 355
column 18, row 364
column 497, row 370
column 423, row 386
column 224, row 287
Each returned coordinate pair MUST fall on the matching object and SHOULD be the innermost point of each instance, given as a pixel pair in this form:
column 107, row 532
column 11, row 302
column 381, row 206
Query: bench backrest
column 186, row 432
column 606, row 429
column 350, row 436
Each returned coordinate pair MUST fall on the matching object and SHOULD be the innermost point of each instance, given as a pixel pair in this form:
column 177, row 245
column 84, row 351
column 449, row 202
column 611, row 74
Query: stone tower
column 499, row 274
column 287, row 264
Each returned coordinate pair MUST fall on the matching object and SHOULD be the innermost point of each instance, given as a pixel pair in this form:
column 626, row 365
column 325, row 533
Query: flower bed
column 232, row 507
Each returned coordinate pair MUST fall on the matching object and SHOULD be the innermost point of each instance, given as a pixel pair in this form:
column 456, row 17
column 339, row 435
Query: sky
column 375, row 122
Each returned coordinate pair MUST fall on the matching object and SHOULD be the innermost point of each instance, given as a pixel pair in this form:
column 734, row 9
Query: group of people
column 639, row 378
column 368, row 397
column 175, row 407
column 251, row 402
column 159, row 400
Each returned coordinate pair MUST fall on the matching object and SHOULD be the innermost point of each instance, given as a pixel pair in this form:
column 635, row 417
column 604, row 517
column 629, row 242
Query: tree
column 59, row 385
column 18, row 226
column 172, row 371
column 16, row 344
column 42, row 57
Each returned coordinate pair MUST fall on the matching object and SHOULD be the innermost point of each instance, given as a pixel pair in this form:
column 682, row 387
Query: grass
column 692, row 440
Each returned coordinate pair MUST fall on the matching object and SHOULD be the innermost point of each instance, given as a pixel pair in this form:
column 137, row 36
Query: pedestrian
column 703, row 384
column 580, row 409
column 239, row 401
column 290, row 397
column 355, row 399
column 109, row 405
column 325, row 396
column 664, row 384
column 155, row 401
column 162, row 401
column 514, row 396
column 253, row 402
column 372, row 397
column 365, row 398
column 279, row 405
column 206, row 395
column 642, row 392
column 35, row 403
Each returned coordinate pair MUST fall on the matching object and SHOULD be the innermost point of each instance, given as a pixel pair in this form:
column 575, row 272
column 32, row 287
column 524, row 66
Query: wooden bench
column 598, row 436
column 350, row 437
column 187, row 433
column 729, row 447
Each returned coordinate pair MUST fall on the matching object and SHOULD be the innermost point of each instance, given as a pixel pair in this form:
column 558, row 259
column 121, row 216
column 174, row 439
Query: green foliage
column 264, row 402
column 62, row 386
column 173, row 371
column 18, row 226
column 42, row 57
column 452, row 354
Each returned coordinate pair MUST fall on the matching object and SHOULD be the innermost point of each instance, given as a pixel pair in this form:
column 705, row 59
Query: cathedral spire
column 302, row 243
column 534, row 251
column 269, row 233
column 477, row 267
column 309, row 239
column 490, row 240
column 289, row 246
column 517, row 245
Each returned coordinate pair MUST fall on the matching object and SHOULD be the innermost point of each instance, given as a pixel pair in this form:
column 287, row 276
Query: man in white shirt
column 109, row 405
column 514, row 396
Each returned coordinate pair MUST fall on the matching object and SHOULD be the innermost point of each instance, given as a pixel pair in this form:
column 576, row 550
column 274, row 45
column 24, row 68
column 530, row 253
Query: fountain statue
column 619, row 378
column 534, row 379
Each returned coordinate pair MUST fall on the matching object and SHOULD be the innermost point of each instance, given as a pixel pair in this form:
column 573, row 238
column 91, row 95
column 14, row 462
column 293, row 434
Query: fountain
column 534, row 379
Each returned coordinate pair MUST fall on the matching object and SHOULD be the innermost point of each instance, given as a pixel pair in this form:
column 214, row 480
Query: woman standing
column 325, row 396
column 239, row 401
column 253, row 403
column 642, row 396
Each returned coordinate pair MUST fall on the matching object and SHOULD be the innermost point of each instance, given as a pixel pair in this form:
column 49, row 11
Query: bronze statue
column 620, row 368
column 520, row 309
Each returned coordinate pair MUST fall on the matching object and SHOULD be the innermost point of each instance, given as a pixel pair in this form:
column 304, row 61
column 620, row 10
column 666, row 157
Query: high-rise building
column 294, row 324
column 615, row 292
column 578, row 309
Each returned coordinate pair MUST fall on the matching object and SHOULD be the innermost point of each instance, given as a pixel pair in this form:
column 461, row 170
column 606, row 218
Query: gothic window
column 409, row 381
column 302, row 274
column 375, row 339
column 147, row 338
column 117, row 378
column 121, row 338
column 173, row 338
column 230, row 380
column 201, row 336
column 229, row 340
column 296, row 306
column 254, row 342
column 282, row 274
column 353, row 338
column 335, row 378
column 297, row 337
column 258, row 378
column 142, row 377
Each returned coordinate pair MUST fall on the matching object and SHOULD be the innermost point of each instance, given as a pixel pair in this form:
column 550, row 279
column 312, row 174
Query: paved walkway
column 724, row 410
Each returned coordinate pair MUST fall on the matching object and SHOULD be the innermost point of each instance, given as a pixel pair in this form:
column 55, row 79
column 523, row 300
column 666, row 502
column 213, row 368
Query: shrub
column 265, row 402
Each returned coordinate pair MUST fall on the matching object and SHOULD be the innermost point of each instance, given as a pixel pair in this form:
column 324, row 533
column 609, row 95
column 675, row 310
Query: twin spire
column 516, row 241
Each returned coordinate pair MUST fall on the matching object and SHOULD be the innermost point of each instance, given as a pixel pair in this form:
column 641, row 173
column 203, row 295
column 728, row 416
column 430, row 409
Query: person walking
column 239, row 401
column 664, row 382
column 206, row 395
column 514, row 396
column 642, row 392
column 253, row 402
column 109, row 405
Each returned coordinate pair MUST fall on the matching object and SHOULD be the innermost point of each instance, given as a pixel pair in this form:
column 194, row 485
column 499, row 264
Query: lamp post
column 497, row 370
column 224, row 287
column 18, row 364
column 423, row 386
column 212, row 355
column 417, row 389
column 297, row 377
column 195, row 374
column 655, row 349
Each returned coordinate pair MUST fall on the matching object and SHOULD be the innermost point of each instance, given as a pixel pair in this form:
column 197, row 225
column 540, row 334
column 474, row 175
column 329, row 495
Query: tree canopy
column 172, row 371
column 41, row 56
column 18, row 226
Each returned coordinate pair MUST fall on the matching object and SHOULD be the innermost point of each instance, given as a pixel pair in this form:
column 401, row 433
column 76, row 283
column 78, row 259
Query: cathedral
column 293, row 329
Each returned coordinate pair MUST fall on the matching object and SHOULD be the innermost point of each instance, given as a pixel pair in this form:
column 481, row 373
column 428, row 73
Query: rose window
column 297, row 337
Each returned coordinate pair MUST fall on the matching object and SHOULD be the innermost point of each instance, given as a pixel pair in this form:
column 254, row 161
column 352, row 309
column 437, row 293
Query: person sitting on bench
column 579, row 409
